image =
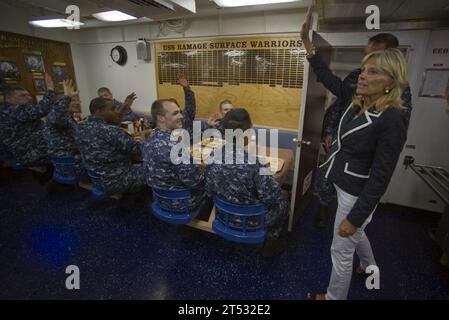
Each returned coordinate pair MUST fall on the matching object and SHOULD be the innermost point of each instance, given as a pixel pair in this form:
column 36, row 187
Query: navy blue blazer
column 363, row 157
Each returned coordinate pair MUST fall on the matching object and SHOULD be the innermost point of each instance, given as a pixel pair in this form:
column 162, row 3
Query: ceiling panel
column 422, row 10
column 349, row 15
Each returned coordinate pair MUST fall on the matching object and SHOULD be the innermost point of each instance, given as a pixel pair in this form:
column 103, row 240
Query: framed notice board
column 435, row 83
column 263, row 74
column 25, row 59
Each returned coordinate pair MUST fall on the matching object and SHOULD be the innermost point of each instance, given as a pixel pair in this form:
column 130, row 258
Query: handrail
column 438, row 182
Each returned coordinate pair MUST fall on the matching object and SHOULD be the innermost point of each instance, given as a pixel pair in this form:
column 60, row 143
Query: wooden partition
column 263, row 74
column 309, row 136
column 24, row 59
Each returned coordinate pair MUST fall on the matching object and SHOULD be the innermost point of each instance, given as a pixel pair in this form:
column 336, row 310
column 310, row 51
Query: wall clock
column 119, row 55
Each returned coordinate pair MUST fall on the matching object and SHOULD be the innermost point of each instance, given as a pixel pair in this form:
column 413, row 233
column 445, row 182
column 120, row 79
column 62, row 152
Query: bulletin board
column 263, row 74
column 24, row 59
column 435, row 83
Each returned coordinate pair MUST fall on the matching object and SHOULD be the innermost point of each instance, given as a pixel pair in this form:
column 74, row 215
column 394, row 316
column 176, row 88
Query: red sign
column 440, row 51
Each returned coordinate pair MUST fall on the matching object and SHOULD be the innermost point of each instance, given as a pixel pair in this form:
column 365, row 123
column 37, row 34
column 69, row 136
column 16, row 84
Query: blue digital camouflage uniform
column 4, row 154
column 108, row 151
column 344, row 91
column 129, row 115
column 189, row 112
column 243, row 184
column 60, row 131
column 160, row 172
column 4, row 134
column 22, row 130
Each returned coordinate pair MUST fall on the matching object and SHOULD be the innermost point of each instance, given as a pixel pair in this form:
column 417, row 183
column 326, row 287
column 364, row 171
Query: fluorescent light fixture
column 241, row 3
column 55, row 23
column 113, row 15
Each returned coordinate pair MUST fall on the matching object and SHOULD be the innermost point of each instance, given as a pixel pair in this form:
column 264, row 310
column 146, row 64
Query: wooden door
column 309, row 134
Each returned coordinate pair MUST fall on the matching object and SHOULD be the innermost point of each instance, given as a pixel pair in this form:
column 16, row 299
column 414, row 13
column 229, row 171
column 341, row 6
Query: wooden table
column 287, row 156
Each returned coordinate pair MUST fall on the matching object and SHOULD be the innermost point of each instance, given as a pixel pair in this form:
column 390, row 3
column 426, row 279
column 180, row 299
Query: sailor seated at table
column 61, row 126
column 248, row 182
column 108, row 151
column 216, row 120
column 21, row 124
column 128, row 113
column 160, row 170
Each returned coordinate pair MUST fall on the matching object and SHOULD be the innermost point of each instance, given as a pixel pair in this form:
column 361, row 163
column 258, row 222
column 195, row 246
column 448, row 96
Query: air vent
column 149, row 3
column 153, row 9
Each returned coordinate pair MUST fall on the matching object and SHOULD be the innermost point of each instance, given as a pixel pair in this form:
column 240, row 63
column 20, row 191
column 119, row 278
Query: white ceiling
column 335, row 15
column 146, row 8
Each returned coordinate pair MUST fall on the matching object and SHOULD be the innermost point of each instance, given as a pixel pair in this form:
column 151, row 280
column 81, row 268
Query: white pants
column 342, row 249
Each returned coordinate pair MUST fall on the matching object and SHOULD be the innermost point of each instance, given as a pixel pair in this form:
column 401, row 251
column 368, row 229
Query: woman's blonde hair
column 391, row 62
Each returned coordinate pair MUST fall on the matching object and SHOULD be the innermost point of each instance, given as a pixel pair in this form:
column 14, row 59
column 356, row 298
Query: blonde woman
column 371, row 134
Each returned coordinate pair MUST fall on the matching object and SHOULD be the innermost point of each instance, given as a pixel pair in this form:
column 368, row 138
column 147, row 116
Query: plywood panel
column 263, row 74
column 275, row 107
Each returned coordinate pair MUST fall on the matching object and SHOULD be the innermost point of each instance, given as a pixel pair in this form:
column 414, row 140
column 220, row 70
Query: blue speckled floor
column 123, row 252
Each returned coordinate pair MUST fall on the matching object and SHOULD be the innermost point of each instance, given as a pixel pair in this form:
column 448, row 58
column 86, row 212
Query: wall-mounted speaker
column 143, row 49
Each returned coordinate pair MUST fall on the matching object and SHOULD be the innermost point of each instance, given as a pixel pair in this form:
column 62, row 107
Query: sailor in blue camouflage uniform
column 4, row 155
column 129, row 115
column 2, row 96
column 160, row 171
column 22, row 127
column 61, row 127
column 108, row 151
column 344, row 91
column 215, row 121
column 243, row 183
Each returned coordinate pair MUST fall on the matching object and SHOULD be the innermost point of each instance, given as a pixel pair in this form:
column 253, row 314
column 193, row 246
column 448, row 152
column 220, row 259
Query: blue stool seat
column 163, row 205
column 239, row 223
column 64, row 171
column 97, row 191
